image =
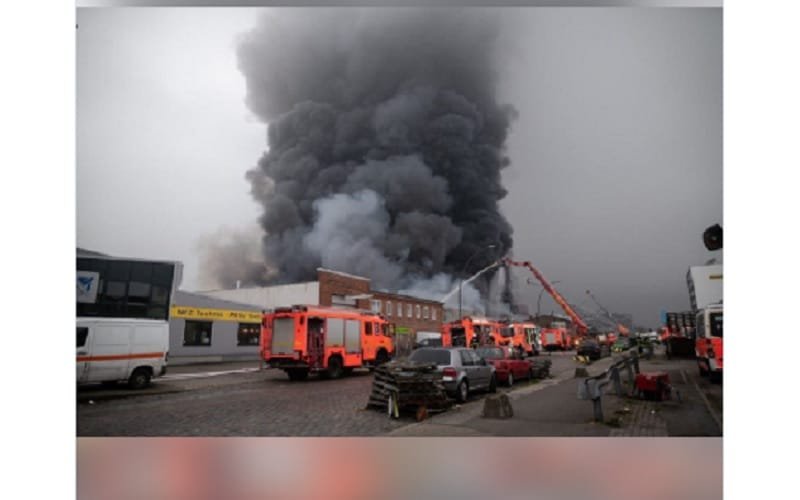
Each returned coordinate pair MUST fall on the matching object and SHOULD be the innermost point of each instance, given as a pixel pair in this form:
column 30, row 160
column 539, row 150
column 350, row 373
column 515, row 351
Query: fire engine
column 554, row 339
column 679, row 334
column 523, row 334
column 329, row 341
column 469, row 331
column 558, row 337
column 708, row 343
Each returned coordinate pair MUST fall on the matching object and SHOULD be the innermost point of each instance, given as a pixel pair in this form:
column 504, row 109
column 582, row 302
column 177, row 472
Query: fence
column 592, row 387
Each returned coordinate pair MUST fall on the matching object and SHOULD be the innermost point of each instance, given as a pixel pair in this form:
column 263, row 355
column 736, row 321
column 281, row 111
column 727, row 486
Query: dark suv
column 589, row 348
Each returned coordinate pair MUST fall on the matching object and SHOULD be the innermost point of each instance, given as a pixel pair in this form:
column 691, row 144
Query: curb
column 710, row 410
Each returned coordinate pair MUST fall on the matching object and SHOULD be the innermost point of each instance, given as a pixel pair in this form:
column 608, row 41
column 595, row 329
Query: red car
column 508, row 366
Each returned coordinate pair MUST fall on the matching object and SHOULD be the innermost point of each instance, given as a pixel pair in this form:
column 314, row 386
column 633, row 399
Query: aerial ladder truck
column 580, row 325
column 621, row 329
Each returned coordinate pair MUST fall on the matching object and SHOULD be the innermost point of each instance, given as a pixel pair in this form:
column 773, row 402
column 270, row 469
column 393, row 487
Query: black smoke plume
column 386, row 143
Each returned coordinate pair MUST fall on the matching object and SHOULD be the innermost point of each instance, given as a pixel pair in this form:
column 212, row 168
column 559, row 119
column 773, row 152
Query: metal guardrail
column 592, row 387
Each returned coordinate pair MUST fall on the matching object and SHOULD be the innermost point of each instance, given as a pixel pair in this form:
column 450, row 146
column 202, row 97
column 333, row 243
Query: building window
column 197, row 333
column 248, row 334
column 128, row 289
column 419, row 311
column 409, row 311
column 376, row 306
column 388, row 307
column 425, row 312
column 433, row 313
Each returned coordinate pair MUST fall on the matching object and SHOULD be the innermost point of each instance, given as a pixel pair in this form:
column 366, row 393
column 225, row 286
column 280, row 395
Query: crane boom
column 622, row 329
column 579, row 323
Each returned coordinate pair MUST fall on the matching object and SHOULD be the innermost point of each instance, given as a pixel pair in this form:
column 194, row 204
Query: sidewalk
column 552, row 408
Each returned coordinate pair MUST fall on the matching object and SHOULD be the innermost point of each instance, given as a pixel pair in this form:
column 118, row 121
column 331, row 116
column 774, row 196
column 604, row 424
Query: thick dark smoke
column 386, row 143
column 228, row 256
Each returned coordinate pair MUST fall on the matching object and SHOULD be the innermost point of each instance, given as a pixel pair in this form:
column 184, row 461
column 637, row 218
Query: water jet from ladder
column 455, row 290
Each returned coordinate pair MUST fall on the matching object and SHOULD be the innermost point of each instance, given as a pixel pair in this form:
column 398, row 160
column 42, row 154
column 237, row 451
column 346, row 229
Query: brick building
column 405, row 311
column 410, row 315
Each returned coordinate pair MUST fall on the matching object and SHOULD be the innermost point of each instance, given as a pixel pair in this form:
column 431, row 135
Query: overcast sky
column 616, row 153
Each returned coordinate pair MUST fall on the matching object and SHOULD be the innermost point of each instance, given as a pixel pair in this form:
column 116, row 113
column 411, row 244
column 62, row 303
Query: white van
column 111, row 350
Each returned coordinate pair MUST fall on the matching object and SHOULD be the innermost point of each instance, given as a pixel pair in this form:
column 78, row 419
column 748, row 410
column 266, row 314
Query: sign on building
column 87, row 284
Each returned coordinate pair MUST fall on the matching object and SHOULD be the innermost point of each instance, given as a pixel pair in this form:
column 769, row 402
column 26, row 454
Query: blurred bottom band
column 399, row 468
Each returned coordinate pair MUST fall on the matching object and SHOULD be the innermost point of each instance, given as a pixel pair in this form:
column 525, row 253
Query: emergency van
column 111, row 350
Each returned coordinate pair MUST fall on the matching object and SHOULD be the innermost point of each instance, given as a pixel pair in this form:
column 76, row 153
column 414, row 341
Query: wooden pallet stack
column 403, row 386
column 541, row 368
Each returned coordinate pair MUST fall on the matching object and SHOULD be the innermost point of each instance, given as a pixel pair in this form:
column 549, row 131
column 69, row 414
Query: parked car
column 589, row 348
column 463, row 371
column 507, row 364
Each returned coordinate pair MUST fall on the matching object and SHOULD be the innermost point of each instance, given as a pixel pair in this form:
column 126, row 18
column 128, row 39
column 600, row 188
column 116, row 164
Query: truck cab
column 708, row 343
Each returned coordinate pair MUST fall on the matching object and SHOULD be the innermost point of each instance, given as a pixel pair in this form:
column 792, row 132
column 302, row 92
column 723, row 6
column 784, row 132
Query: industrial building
column 200, row 328
column 410, row 315
column 119, row 287
column 224, row 325
column 705, row 285
column 207, row 329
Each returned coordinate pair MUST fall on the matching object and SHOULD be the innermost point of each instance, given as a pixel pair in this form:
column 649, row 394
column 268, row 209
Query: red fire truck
column 304, row 339
column 524, row 335
column 708, row 343
column 555, row 337
column 469, row 331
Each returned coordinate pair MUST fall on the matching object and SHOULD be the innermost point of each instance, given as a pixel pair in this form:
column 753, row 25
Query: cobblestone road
column 262, row 403
column 259, row 404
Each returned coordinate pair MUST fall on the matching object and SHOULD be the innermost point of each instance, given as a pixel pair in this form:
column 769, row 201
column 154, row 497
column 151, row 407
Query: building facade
column 409, row 314
column 206, row 329
column 121, row 287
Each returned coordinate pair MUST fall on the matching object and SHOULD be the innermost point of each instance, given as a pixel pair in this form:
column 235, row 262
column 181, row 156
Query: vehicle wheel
column 530, row 373
column 462, row 391
column 297, row 374
column 493, row 384
column 510, row 379
column 335, row 369
column 140, row 378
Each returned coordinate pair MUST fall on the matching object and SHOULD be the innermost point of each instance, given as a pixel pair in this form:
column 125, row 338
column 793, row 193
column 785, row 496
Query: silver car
column 463, row 371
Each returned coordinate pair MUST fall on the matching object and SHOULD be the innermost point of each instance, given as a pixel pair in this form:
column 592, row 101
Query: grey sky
column 616, row 154
column 164, row 137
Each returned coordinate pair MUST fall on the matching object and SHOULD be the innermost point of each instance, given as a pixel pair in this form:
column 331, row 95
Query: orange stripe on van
column 117, row 357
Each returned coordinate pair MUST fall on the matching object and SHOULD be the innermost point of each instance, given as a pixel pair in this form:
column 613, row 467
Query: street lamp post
column 461, row 279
